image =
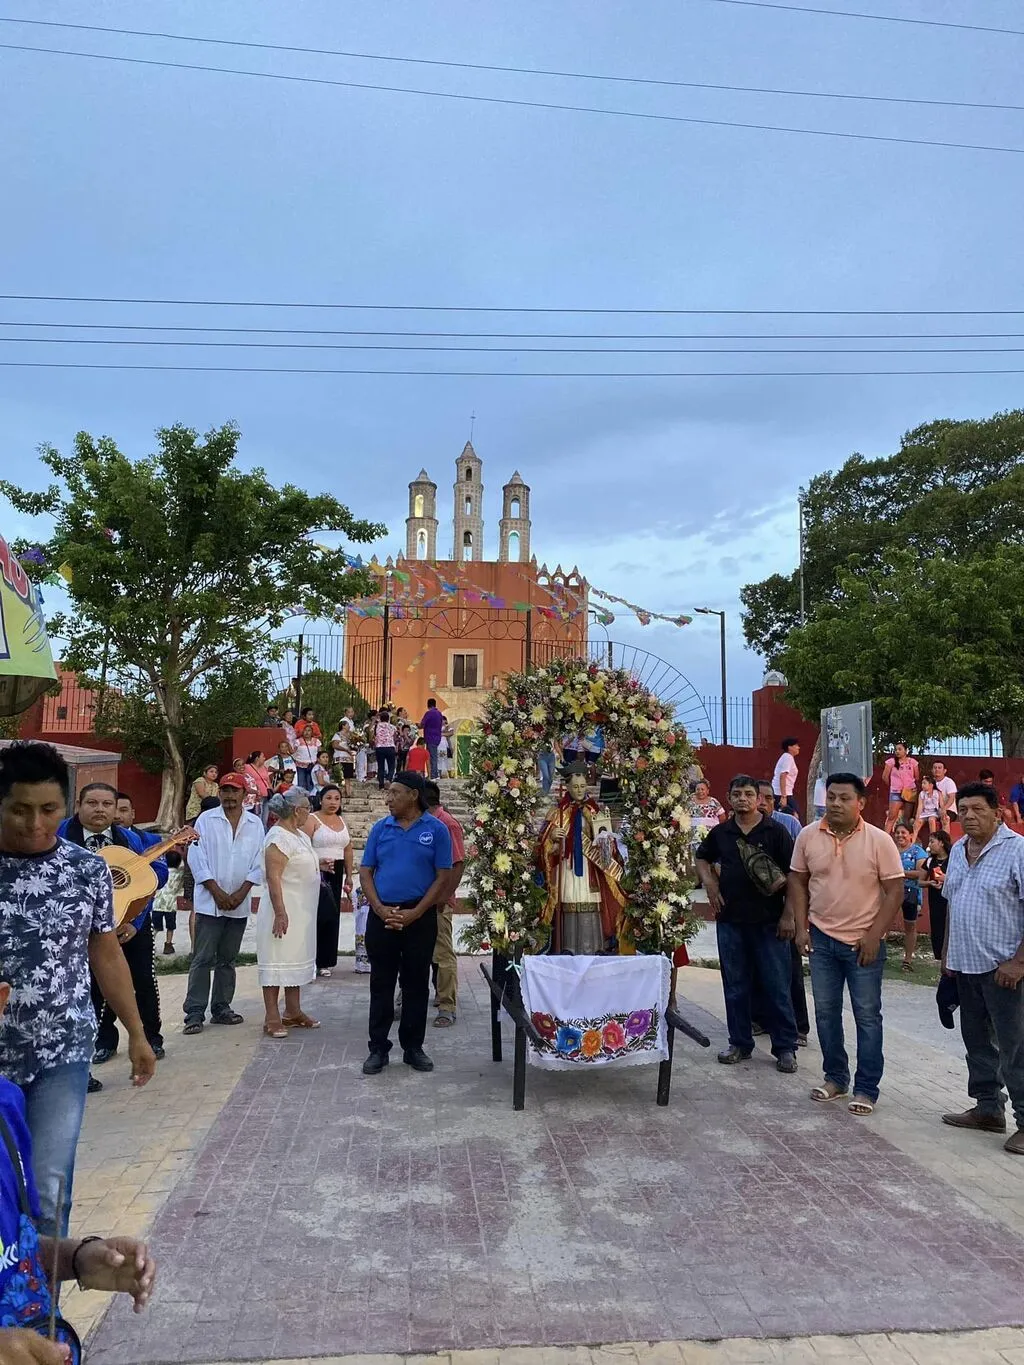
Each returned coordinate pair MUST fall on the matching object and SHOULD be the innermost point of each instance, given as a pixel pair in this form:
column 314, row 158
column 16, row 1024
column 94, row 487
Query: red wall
column 141, row 786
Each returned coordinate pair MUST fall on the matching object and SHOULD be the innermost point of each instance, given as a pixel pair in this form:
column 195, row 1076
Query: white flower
column 482, row 812
column 507, row 728
column 517, row 906
column 675, row 790
column 492, row 788
column 487, row 883
column 556, row 691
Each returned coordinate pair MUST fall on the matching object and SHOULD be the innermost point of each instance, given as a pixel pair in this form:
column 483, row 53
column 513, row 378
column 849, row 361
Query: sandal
column 276, row 1030
column 825, row 1094
column 444, row 1019
column 907, row 966
column 191, row 1029
column 300, row 1021
column 324, row 973
column 861, row 1106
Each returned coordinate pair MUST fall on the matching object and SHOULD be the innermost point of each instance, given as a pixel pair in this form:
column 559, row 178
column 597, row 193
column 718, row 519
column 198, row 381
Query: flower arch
column 534, row 709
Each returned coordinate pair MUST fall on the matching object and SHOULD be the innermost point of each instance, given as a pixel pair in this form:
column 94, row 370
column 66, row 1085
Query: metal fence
column 738, row 719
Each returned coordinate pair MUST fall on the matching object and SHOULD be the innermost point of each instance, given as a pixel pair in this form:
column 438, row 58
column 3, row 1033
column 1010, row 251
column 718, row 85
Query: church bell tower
column 421, row 523
column 514, row 529
column 469, row 506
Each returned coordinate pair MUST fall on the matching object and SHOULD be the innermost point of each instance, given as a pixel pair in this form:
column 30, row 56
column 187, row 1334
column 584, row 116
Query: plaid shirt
column 986, row 903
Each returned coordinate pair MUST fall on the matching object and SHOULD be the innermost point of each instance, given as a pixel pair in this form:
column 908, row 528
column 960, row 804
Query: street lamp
column 710, row 611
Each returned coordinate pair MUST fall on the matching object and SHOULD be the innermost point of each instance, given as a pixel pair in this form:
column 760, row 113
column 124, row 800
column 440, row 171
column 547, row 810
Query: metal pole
column 528, row 661
column 611, row 655
column 803, row 604
column 725, row 705
column 384, row 668
column 298, row 679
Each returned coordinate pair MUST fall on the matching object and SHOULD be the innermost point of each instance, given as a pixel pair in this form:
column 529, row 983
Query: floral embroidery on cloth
column 611, row 1035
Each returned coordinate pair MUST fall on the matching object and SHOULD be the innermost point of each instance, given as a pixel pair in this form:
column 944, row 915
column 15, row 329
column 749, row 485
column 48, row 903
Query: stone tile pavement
column 317, row 1213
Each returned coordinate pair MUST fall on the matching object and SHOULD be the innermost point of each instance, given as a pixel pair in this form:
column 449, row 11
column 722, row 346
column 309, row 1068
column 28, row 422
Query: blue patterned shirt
column 50, row 903
column 986, row 903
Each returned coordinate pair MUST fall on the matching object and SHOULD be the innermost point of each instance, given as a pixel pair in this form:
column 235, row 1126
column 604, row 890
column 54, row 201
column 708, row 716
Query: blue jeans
column 54, row 1107
column 546, row 764
column 752, row 955
column 432, row 751
column 386, row 767
column 834, row 966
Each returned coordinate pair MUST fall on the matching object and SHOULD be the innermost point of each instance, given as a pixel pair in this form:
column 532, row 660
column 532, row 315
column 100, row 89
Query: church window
column 417, row 505
column 465, row 670
column 469, row 507
column 513, row 548
column 513, row 508
column 469, row 476
column 421, row 544
column 467, row 545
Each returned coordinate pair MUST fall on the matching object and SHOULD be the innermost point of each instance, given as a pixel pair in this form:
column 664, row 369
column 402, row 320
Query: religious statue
column 578, row 855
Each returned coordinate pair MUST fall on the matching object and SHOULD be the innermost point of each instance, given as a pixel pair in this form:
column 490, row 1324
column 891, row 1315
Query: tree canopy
column 329, row 694
column 905, row 602
column 181, row 565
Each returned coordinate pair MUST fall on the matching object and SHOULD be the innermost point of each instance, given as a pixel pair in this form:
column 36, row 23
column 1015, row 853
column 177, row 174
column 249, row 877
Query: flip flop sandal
column 275, row 1031
column 444, row 1020
column 907, row 967
column 190, row 1029
column 825, row 1094
column 860, row 1106
column 300, row 1021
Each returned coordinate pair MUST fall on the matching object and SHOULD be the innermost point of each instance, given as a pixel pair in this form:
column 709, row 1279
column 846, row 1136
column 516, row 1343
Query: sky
column 139, row 182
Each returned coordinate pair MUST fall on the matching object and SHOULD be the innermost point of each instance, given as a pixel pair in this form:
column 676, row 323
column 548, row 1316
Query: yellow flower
column 482, row 812
column 498, row 921
column 663, row 910
column 659, row 755
column 507, row 728
column 538, row 715
column 675, row 789
column 491, row 788
column 661, row 872
column 509, row 764
column 502, row 862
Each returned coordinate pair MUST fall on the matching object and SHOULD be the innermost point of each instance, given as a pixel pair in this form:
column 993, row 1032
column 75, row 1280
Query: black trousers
column 797, row 993
column 400, row 957
column 328, row 920
column 138, row 953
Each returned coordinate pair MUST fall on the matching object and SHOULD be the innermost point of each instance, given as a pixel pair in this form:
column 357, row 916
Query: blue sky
column 672, row 492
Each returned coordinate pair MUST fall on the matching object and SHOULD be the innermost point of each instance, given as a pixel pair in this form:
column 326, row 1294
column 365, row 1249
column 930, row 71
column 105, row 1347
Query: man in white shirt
column 226, row 864
column 785, row 775
column 946, row 788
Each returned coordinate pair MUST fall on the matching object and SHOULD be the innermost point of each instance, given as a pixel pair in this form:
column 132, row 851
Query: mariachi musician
column 94, row 826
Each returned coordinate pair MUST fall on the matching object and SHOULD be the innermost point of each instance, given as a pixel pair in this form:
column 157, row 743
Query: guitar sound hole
column 120, row 878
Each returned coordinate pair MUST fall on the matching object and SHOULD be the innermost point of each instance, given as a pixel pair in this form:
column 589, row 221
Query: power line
column 882, row 18
column 526, row 104
column 501, row 308
column 496, row 374
column 520, row 350
column 511, row 70
column 526, row 336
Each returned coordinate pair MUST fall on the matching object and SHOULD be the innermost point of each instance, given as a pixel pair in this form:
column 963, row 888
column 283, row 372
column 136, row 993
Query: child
column 444, row 752
column 28, row 1261
column 362, row 962
column 165, row 902
column 418, row 759
column 929, row 809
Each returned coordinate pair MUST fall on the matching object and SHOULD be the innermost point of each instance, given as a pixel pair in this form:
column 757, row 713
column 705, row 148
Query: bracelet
column 74, row 1257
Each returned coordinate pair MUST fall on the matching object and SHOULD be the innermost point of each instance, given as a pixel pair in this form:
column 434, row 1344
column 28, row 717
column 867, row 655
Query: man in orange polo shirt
column 846, row 888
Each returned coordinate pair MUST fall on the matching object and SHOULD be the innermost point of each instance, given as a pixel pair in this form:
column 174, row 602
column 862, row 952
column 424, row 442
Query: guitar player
column 94, row 825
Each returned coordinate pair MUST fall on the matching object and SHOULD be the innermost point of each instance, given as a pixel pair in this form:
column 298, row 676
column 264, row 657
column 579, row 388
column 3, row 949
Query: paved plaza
column 301, row 1210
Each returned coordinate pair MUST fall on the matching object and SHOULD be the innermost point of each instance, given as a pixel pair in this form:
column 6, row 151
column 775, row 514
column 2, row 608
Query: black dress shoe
column 158, row 1052
column 375, row 1063
column 733, row 1055
column 417, row 1059
column 94, row 1085
column 103, row 1054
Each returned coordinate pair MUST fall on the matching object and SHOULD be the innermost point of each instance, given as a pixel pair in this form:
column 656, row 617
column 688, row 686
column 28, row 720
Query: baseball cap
column 231, row 780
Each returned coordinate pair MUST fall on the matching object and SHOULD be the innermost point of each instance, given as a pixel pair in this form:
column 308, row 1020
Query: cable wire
column 881, row 18
column 528, row 104
column 521, row 350
column 501, row 308
column 525, row 336
column 495, row 374
column 511, row 70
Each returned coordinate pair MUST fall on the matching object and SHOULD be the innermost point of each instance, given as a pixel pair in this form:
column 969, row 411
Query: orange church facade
column 452, row 628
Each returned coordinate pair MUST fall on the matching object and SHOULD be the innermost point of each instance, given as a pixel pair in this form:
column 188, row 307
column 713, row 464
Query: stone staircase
column 366, row 806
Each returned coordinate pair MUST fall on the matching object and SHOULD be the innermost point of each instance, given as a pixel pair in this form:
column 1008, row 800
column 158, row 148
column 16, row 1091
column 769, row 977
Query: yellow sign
column 26, row 664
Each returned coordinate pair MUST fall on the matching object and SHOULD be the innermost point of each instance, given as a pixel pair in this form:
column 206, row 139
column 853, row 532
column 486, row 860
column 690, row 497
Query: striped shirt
column 986, row 903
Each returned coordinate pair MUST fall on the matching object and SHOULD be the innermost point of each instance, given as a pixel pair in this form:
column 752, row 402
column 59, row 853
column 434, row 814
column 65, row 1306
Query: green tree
column 953, row 492
column 181, row 564
column 329, row 694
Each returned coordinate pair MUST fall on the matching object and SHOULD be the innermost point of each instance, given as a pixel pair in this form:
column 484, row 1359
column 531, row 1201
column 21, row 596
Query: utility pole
column 803, row 603
column 710, row 611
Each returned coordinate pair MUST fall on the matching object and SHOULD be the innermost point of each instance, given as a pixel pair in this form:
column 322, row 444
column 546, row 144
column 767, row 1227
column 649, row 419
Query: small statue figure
column 577, row 853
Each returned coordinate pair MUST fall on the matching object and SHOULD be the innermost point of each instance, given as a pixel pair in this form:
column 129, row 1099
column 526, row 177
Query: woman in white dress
column 332, row 844
column 286, row 922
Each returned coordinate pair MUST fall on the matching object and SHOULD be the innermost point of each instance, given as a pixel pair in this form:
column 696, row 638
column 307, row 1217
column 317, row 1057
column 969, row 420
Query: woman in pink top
column 903, row 775
column 385, row 739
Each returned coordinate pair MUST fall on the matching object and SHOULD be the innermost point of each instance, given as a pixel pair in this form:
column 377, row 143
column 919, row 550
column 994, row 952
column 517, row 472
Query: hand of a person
column 120, row 1264
column 280, row 924
column 397, row 919
column 715, row 901
column 1010, row 974
column 802, row 939
column 125, row 933
column 787, row 928
column 326, row 864
column 383, row 911
column 867, row 948
column 254, row 905
column 220, row 898
column 140, row 1054
column 347, row 886
column 22, row 1346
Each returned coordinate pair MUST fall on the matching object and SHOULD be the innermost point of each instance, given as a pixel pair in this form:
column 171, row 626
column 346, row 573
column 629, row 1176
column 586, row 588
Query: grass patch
column 926, row 969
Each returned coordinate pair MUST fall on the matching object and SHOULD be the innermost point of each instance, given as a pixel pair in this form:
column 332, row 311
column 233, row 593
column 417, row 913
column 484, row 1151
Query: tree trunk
column 172, row 790
column 1012, row 734
column 812, row 777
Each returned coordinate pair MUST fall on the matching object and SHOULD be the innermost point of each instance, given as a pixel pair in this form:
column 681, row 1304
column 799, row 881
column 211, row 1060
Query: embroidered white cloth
column 597, row 1011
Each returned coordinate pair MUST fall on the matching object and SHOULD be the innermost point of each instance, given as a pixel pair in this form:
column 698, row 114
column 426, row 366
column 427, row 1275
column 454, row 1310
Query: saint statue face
column 577, row 787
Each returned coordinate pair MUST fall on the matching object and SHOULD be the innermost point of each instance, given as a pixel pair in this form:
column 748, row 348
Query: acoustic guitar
column 134, row 880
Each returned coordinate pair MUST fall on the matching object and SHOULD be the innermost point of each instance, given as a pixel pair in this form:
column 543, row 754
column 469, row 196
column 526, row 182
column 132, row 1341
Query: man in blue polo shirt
column 405, row 875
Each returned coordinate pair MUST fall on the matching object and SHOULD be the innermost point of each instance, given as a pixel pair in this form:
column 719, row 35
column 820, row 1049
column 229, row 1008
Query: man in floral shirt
column 56, row 921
